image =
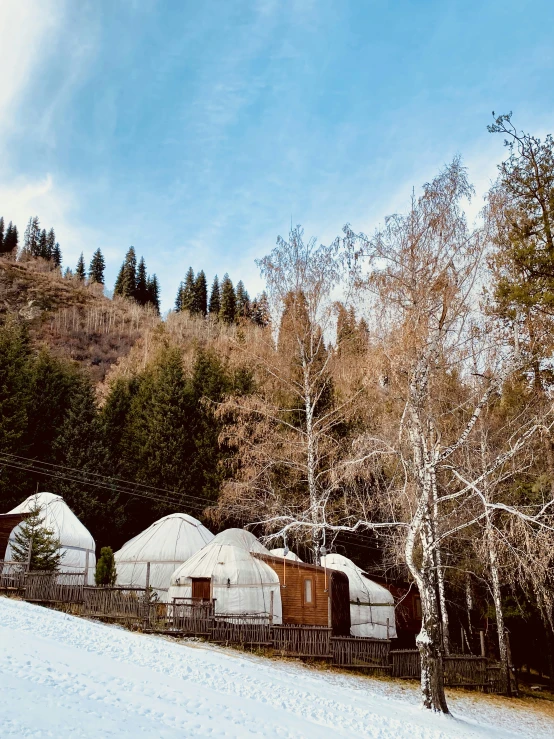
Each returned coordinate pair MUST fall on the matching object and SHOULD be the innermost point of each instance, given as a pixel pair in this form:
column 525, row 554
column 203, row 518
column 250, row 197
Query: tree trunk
column 497, row 597
column 429, row 644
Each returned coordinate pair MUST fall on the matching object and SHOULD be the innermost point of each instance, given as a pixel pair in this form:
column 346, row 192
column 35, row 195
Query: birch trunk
column 497, row 598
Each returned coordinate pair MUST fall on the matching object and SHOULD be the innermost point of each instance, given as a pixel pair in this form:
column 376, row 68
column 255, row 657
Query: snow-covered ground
column 62, row 676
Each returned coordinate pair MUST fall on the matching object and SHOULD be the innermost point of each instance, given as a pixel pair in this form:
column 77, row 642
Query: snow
column 61, row 676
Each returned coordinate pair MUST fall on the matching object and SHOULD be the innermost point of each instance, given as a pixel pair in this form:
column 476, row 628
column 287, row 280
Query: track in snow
column 61, row 676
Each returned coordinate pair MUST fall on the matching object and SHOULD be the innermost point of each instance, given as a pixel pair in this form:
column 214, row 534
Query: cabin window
column 201, row 588
column 308, row 591
column 417, row 607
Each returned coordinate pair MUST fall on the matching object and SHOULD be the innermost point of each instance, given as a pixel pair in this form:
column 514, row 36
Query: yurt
column 75, row 540
column 280, row 552
column 226, row 571
column 371, row 605
column 166, row 544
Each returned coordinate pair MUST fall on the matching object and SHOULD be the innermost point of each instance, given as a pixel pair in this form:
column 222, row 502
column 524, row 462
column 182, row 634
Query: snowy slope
column 61, row 676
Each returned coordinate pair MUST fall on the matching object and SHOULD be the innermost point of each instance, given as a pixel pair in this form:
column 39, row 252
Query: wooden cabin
column 312, row 595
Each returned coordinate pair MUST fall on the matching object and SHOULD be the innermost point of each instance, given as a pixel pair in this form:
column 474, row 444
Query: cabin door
column 201, row 588
column 340, row 604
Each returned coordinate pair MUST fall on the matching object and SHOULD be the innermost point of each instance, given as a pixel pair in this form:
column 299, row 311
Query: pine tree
column 43, row 244
column 228, row 307
column 215, row 299
column 31, row 238
column 153, row 290
column 96, row 268
column 106, row 573
column 243, row 307
column 80, row 271
column 32, row 534
column 141, row 291
column 57, row 255
column 200, row 301
column 126, row 282
column 50, row 244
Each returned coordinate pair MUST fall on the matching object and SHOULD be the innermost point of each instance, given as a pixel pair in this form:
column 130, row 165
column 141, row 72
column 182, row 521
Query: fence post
column 482, row 640
column 29, row 554
column 86, row 568
column 271, row 608
column 147, row 596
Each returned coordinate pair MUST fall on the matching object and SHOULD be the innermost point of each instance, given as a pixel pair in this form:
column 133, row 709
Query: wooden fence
column 360, row 652
column 460, row 670
column 302, row 641
column 138, row 608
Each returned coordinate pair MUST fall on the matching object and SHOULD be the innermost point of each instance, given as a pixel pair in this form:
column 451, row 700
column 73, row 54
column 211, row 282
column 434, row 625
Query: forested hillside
column 389, row 397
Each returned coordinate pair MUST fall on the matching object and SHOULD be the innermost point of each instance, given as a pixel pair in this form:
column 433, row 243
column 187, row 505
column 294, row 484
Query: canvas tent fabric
column 281, row 553
column 75, row 540
column 371, row 605
column 166, row 544
column 240, row 583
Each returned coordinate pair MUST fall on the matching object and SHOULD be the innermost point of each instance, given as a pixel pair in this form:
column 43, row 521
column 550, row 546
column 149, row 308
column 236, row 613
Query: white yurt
column 280, row 552
column 166, row 544
column 371, row 605
column 226, row 569
column 75, row 540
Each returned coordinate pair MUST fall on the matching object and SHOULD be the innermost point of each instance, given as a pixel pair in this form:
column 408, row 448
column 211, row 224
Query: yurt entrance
column 201, row 588
column 340, row 603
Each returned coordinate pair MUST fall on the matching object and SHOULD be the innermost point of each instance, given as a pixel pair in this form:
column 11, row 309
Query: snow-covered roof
column 75, row 539
column 371, row 605
column 240, row 583
column 280, row 552
column 166, row 544
column 240, row 538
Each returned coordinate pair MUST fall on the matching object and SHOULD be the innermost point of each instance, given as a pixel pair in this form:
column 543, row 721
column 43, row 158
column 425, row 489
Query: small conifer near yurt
column 46, row 553
column 106, row 572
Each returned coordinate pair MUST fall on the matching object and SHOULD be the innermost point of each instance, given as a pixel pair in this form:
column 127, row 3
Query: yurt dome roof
column 227, row 564
column 240, row 538
column 173, row 538
column 59, row 517
column 280, row 552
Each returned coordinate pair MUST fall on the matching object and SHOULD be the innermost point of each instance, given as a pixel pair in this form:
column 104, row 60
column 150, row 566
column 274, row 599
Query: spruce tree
column 228, row 307
column 200, row 302
column 14, row 385
column 43, row 245
column 80, row 271
column 141, row 291
column 260, row 310
column 9, row 241
column 187, row 292
column 126, row 283
column 31, row 238
column 1, row 234
column 106, row 573
column 96, row 268
column 50, row 244
column 215, row 299
column 68, row 273
column 153, row 290
column 32, row 534
column 57, row 255
column 243, row 306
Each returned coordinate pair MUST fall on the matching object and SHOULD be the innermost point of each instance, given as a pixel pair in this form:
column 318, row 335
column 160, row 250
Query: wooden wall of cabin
column 293, row 576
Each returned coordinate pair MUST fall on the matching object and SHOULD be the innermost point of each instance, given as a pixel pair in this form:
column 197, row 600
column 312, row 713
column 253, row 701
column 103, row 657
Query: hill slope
column 64, row 676
column 76, row 321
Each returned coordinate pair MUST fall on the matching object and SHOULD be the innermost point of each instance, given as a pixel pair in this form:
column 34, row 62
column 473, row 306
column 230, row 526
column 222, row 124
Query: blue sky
column 196, row 130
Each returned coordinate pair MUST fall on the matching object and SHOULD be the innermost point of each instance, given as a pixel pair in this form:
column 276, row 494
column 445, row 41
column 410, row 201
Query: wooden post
column 388, row 626
column 147, row 597
column 147, row 576
column 329, row 608
column 271, row 608
column 86, row 567
column 482, row 640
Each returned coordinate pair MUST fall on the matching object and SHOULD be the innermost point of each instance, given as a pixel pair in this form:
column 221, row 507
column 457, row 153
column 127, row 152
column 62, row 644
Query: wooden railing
column 57, row 587
column 12, row 577
column 247, row 629
column 130, row 605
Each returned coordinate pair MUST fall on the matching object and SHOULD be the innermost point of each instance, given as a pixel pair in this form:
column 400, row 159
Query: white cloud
column 25, row 28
